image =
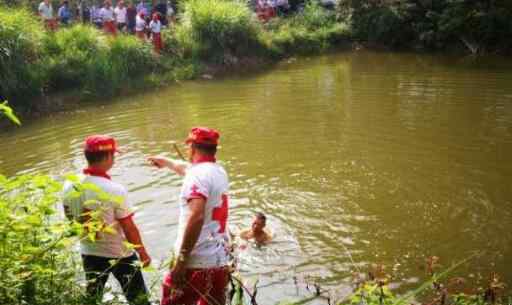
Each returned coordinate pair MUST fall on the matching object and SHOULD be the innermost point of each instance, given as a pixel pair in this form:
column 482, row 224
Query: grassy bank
column 213, row 35
column 218, row 33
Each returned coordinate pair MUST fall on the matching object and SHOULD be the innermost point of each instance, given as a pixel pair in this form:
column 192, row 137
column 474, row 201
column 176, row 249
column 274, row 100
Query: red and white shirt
column 206, row 180
column 155, row 26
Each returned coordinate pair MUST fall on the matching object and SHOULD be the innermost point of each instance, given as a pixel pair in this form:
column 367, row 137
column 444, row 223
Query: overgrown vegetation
column 21, row 55
column 216, row 29
column 217, row 32
column 479, row 25
column 314, row 29
column 36, row 264
column 35, row 62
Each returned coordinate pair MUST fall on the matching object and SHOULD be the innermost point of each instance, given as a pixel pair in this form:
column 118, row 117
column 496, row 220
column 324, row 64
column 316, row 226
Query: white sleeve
column 122, row 207
column 194, row 187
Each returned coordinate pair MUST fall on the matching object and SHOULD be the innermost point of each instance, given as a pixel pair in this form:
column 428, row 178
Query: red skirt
column 157, row 42
column 140, row 34
column 109, row 27
column 51, row 24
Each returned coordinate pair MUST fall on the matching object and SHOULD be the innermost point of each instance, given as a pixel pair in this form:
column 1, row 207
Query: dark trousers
column 97, row 269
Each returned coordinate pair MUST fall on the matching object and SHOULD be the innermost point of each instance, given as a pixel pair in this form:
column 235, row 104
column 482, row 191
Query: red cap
column 203, row 135
column 97, row 143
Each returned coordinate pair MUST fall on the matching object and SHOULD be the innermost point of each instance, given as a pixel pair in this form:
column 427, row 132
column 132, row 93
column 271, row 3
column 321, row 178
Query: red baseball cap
column 203, row 135
column 97, row 143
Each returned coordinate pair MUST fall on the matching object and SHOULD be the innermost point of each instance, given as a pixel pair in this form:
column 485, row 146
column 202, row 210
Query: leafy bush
column 82, row 56
column 382, row 25
column 74, row 54
column 312, row 30
column 314, row 16
column 484, row 25
column 36, row 264
column 212, row 29
column 21, row 39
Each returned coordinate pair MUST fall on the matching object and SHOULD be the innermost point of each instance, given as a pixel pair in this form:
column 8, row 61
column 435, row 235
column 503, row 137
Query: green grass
column 22, row 71
column 83, row 58
column 213, row 29
column 312, row 31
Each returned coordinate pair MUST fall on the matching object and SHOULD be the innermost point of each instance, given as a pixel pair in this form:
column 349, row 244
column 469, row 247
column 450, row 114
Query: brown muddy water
column 356, row 158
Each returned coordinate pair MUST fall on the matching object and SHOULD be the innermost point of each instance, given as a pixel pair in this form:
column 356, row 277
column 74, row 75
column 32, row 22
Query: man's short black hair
column 207, row 149
column 96, row 157
column 261, row 216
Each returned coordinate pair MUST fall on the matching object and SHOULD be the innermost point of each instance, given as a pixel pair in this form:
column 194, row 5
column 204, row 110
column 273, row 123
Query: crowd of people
column 142, row 19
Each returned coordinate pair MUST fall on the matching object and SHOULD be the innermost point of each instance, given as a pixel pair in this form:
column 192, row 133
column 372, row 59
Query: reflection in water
column 385, row 158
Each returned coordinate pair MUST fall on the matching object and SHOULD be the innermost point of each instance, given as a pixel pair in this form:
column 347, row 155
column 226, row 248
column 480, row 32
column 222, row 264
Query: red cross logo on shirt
column 220, row 214
column 194, row 192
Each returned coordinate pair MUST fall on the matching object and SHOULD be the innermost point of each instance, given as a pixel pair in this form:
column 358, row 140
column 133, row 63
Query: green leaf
column 7, row 111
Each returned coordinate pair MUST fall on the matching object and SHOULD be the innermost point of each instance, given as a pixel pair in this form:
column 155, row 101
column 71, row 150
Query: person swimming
column 257, row 231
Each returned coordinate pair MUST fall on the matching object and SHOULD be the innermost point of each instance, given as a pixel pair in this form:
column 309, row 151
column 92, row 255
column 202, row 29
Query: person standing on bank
column 201, row 272
column 120, row 14
column 131, row 15
column 107, row 17
column 96, row 15
column 156, row 27
column 64, row 13
column 46, row 13
column 116, row 215
column 140, row 26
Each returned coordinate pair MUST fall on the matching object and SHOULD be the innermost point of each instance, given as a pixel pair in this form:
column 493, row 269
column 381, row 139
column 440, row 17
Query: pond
column 357, row 158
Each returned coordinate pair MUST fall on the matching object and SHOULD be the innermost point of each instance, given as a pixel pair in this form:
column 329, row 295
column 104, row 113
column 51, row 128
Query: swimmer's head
column 259, row 222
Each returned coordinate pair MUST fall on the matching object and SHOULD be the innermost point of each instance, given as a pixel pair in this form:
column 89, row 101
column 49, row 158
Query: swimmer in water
column 257, row 231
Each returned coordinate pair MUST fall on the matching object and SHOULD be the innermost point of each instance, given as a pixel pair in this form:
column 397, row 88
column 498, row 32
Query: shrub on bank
column 74, row 54
column 37, row 264
column 383, row 25
column 83, row 57
column 216, row 29
column 21, row 51
column 480, row 25
column 313, row 30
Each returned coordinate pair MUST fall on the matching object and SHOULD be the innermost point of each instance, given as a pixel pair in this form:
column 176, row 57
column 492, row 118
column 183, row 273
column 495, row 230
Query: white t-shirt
column 106, row 244
column 140, row 24
column 120, row 14
column 107, row 14
column 155, row 26
column 210, row 181
column 46, row 11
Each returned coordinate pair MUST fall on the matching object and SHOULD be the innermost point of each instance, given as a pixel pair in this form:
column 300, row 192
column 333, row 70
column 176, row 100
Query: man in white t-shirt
column 96, row 201
column 200, row 273
column 45, row 10
column 107, row 17
column 120, row 14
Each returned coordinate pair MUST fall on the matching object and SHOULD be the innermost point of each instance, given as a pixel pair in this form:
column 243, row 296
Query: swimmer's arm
column 245, row 234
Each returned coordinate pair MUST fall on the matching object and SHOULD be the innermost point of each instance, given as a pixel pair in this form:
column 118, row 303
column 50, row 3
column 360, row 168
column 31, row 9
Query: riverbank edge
column 65, row 101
